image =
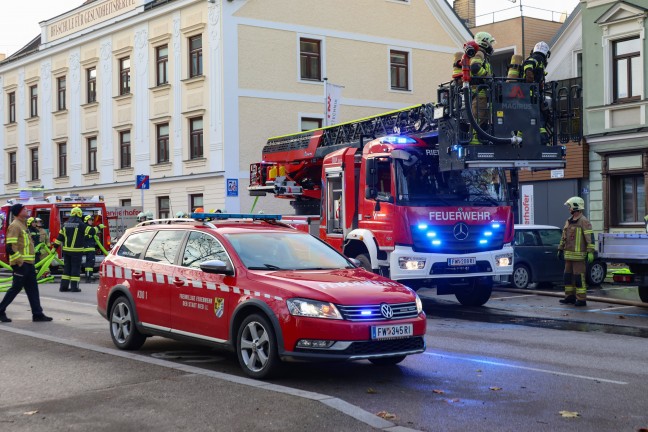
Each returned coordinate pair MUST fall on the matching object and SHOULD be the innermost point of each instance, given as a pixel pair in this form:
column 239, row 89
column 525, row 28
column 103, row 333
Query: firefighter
column 576, row 246
column 534, row 66
column 72, row 237
column 35, row 235
column 144, row 216
column 480, row 70
column 90, row 246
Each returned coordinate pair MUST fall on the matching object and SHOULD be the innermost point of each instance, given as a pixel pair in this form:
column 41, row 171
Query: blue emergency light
column 224, row 216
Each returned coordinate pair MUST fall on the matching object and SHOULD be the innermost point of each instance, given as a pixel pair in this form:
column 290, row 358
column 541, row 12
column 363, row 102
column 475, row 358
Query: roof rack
column 224, row 216
column 165, row 221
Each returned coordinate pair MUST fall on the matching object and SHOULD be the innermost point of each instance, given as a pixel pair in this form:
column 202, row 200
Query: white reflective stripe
column 196, row 283
column 159, row 278
column 246, row 292
column 266, row 295
column 118, row 272
column 109, row 271
column 211, row 286
column 128, row 274
column 148, row 276
column 257, row 293
column 278, row 298
column 225, row 288
column 236, row 290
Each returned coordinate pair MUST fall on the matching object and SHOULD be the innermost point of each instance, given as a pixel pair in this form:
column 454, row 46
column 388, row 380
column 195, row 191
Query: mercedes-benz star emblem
column 386, row 311
column 460, row 231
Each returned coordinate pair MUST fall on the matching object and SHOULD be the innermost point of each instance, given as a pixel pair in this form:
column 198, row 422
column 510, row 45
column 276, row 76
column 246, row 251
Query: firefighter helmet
column 86, row 218
column 199, row 210
column 575, row 203
column 76, row 211
column 485, row 41
column 543, row 48
column 30, row 221
column 143, row 216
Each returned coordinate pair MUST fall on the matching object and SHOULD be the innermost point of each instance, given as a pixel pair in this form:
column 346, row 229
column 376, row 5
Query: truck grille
column 372, row 312
column 448, row 243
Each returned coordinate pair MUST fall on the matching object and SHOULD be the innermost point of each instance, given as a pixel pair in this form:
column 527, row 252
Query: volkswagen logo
column 460, row 231
column 386, row 311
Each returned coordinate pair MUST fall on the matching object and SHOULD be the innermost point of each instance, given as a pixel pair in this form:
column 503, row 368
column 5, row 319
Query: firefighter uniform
column 480, row 70
column 72, row 238
column 577, row 248
column 91, row 247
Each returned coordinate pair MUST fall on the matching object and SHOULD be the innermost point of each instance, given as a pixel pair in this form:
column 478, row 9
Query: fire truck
column 55, row 210
column 411, row 195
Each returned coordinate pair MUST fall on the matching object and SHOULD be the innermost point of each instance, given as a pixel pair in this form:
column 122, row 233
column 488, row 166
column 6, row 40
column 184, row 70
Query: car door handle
column 178, row 282
column 138, row 274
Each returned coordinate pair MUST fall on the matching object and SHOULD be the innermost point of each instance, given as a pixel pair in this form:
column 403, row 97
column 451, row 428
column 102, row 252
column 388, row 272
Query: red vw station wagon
column 256, row 286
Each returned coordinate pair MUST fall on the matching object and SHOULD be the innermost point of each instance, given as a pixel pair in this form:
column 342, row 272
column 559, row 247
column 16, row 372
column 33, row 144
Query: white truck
column 632, row 250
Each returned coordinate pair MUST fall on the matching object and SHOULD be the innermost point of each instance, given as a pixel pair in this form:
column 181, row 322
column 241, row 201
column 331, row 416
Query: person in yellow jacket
column 576, row 248
column 480, row 70
column 72, row 236
column 20, row 250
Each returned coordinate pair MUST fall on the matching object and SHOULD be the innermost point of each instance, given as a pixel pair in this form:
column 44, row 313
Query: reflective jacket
column 72, row 235
column 91, row 237
column 20, row 247
column 534, row 68
column 577, row 239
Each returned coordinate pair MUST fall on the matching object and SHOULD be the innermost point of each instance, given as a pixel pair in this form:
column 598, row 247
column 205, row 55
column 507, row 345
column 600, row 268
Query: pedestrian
column 576, row 246
column 72, row 237
column 20, row 250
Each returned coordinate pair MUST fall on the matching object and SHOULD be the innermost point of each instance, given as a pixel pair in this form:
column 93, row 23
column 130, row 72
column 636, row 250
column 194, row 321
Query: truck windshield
column 420, row 183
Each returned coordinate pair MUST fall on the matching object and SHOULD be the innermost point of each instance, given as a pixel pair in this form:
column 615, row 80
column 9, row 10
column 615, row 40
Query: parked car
column 535, row 258
column 258, row 287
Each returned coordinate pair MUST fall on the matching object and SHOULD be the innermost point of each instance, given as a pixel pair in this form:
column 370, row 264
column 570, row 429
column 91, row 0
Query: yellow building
column 187, row 91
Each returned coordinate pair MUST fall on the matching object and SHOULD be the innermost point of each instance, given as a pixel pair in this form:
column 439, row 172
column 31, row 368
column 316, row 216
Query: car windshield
column 285, row 251
column 419, row 182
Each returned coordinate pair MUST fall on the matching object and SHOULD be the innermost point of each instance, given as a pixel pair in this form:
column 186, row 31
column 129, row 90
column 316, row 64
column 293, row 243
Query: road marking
column 612, row 308
column 511, row 297
column 493, row 363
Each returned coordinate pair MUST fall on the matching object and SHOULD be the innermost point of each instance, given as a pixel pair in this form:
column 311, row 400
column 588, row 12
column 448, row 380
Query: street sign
column 142, row 181
column 232, row 187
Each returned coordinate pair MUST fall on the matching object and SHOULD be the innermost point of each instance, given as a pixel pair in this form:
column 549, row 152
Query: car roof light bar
column 224, row 216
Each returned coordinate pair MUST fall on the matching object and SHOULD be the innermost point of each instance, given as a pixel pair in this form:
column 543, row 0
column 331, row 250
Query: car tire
column 365, row 261
column 123, row 331
column 643, row 293
column 596, row 272
column 256, row 347
column 387, row 361
column 521, row 277
column 475, row 294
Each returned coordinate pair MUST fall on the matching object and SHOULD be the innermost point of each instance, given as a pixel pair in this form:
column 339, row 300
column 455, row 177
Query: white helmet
column 143, row 216
column 543, row 48
column 575, row 203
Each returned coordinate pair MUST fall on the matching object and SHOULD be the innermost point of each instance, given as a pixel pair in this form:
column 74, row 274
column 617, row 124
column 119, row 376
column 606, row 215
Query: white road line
column 526, row 368
column 612, row 308
column 517, row 296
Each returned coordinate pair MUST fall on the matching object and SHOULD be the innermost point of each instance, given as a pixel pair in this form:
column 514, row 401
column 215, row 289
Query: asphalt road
column 515, row 364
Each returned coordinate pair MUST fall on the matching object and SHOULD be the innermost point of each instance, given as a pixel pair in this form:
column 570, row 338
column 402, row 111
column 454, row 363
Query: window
column 164, row 207
column 202, row 247
column 310, row 57
column 308, row 123
column 630, row 193
column 33, row 96
column 91, row 84
column 162, row 143
column 134, row 245
column 60, row 92
column 579, row 64
column 195, row 201
column 399, row 70
column 12, row 107
column 34, row 163
column 125, row 203
column 62, row 159
column 12, row 168
column 124, row 76
column 124, row 149
column 162, row 59
column 195, row 56
column 164, row 247
column 626, row 69
column 92, row 154
column 196, row 138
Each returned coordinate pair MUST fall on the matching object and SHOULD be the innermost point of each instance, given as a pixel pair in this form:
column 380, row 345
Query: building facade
column 185, row 93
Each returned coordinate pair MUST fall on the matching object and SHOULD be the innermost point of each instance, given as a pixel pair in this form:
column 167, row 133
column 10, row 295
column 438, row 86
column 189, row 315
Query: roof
column 565, row 25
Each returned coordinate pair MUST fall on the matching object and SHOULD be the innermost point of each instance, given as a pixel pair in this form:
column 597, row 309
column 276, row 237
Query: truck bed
column 622, row 247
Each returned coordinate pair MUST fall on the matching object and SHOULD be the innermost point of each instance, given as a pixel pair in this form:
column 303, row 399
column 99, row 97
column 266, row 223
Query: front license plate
column 462, row 261
column 391, row 331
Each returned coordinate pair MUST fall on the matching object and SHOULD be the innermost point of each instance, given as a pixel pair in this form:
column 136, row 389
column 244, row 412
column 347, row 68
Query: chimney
column 465, row 9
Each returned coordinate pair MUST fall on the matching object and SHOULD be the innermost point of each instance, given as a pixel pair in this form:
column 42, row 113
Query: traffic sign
column 142, row 181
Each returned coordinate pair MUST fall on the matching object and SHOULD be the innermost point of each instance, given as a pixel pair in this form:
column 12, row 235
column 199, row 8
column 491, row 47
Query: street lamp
column 522, row 21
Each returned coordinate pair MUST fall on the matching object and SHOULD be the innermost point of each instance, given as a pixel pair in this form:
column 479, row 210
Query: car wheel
column 596, row 273
column 257, row 347
column 123, row 330
column 643, row 293
column 521, row 277
column 475, row 294
column 387, row 361
column 365, row 261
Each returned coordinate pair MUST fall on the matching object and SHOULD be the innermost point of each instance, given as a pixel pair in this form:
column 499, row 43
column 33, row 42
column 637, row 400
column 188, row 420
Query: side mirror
column 216, row 267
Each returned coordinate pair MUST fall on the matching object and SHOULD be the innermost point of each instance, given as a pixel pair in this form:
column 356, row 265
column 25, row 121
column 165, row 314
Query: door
column 201, row 303
column 550, row 239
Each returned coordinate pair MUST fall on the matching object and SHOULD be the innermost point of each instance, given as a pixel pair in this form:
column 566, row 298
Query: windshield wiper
column 477, row 198
column 265, row 267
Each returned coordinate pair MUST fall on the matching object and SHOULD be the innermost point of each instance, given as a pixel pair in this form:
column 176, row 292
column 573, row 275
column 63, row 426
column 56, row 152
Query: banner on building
column 527, row 205
column 333, row 98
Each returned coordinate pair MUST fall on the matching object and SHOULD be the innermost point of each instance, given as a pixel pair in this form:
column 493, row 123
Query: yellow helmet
column 76, row 211
column 30, row 221
column 575, row 203
column 485, row 41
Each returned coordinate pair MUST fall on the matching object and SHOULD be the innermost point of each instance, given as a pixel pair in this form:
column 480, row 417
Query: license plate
column 462, row 261
column 391, row 331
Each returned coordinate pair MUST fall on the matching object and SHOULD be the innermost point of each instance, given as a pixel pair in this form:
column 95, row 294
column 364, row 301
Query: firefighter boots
column 570, row 299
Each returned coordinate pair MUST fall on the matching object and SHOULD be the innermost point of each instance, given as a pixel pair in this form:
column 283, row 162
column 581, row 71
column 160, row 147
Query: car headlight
column 411, row 263
column 419, row 304
column 312, row 308
column 504, row 260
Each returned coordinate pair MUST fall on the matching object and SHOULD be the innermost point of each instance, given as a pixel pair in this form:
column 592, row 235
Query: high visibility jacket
column 72, row 235
column 534, row 68
column 91, row 238
column 577, row 239
column 20, row 247
column 480, row 67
